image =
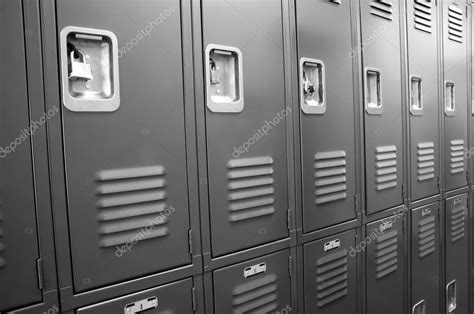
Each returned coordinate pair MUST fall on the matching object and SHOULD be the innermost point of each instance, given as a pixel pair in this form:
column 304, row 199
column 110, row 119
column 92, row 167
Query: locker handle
column 312, row 86
column 224, row 79
column 416, row 95
column 451, row 296
column 141, row 306
column 373, row 91
column 449, row 98
column 419, row 308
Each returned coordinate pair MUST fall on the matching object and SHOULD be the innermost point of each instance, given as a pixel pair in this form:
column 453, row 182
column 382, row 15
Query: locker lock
column 215, row 73
column 308, row 87
column 80, row 69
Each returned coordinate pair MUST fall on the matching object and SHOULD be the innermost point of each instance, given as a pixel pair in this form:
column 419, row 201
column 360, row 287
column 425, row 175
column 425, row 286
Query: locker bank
column 236, row 156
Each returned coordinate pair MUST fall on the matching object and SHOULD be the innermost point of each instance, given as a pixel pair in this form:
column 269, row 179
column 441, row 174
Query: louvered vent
column 256, row 296
column 422, row 15
column 426, row 236
column 426, row 170
column 250, row 188
column 455, row 23
column 386, row 254
column 330, row 176
column 331, row 277
column 457, row 223
column 456, row 155
column 386, row 167
column 130, row 201
column 2, row 245
column 382, row 8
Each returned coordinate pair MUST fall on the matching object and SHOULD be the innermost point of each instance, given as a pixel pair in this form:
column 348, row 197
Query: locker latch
column 80, row 69
column 419, row 308
column 140, row 306
column 308, row 86
column 215, row 73
column 451, row 296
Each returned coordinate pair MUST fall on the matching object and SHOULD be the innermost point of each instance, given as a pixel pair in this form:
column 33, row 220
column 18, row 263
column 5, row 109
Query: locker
column 385, row 265
column 422, row 30
column 172, row 298
column 425, row 263
column 381, row 51
column 330, row 274
column 457, row 255
column 19, row 245
column 245, row 123
column 124, row 138
column 327, row 162
column 455, row 93
column 261, row 285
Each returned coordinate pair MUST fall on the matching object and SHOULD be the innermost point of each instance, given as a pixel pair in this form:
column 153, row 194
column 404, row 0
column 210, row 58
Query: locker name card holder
column 332, row 245
column 255, row 270
column 140, row 306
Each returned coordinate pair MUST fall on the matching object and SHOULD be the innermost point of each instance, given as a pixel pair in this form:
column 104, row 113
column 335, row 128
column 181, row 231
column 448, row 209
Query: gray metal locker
column 385, row 269
column 381, row 51
column 425, row 260
column 245, row 123
column 172, row 298
column 123, row 120
column 422, row 30
column 455, row 107
column 261, row 285
column 457, row 255
column 327, row 110
column 19, row 239
column 330, row 274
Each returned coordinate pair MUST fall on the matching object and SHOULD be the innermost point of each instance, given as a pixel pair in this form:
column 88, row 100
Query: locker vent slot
column 426, row 236
column 382, row 8
column 457, row 223
column 256, row 295
column 455, row 23
column 250, row 188
column 422, row 15
column 2, row 245
column 331, row 277
column 330, row 176
column 456, row 156
column 386, row 254
column 425, row 158
column 386, row 167
column 131, row 204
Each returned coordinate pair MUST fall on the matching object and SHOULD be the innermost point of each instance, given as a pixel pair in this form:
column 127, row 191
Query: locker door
column 18, row 226
column 457, row 255
column 423, row 105
column 455, row 105
column 261, row 285
column 382, row 103
column 125, row 169
column 173, row 298
column 385, row 266
column 245, row 123
column 330, row 275
column 425, row 246
column 328, row 162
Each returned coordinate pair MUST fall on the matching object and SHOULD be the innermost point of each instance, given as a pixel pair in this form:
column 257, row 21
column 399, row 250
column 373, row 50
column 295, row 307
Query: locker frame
column 209, row 262
column 69, row 298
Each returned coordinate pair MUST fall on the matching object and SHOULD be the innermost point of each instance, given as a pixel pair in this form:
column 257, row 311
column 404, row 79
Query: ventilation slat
column 257, row 295
column 425, row 153
column 330, row 180
column 382, row 8
column 386, row 167
column 456, row 156
column 332, row 276
column 422, row 15
column 458, row 222
column 455, row 23
column 386, row 254
column 426, row 236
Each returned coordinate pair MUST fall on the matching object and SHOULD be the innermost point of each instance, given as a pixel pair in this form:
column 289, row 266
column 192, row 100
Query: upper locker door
column 245, row 122
column 326, row 112
column 423, row 94
column 18, row 228
column 382, row 103
column 124, row 138
column 455, row 107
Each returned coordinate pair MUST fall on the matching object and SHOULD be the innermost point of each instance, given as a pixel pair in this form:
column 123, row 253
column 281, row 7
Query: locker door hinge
column 190, row 240
column 356, row 203
column 467, row 175
column 439, row 183
column 290, row 266
column 404, row 191
column 193, row 296
column 39, row 270
column 288, row 219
